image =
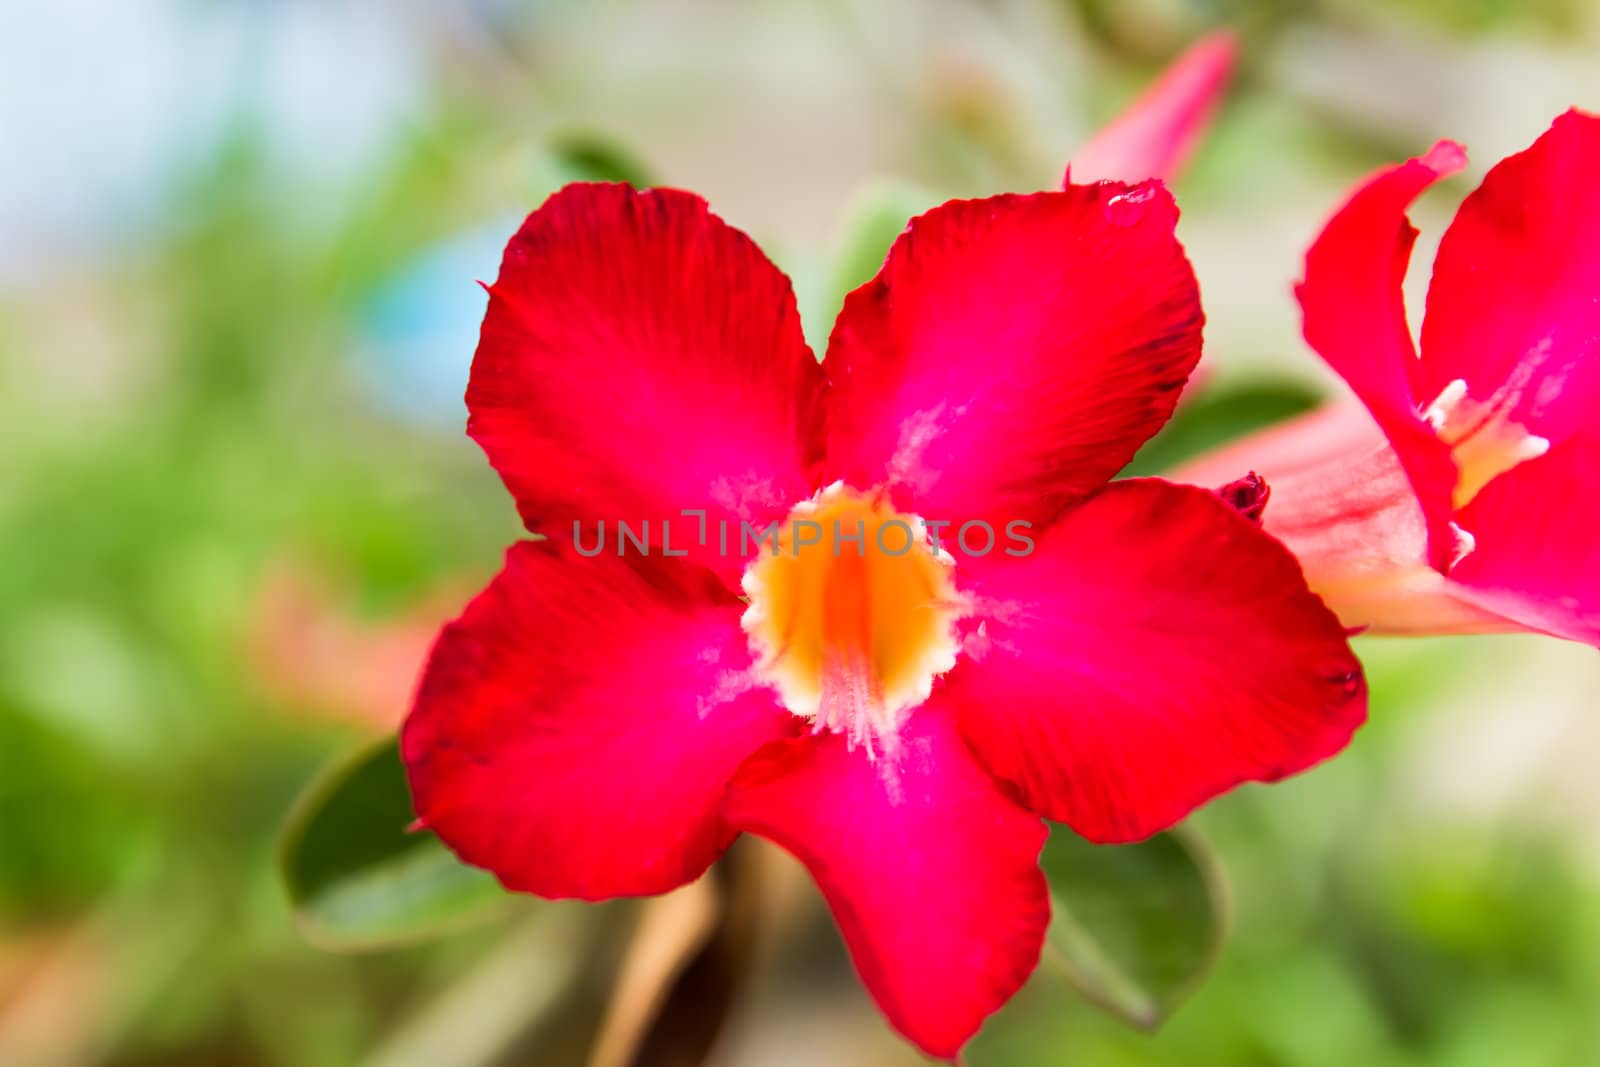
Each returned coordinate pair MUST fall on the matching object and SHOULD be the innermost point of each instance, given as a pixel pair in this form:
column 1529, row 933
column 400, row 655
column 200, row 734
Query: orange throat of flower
column 852, row 614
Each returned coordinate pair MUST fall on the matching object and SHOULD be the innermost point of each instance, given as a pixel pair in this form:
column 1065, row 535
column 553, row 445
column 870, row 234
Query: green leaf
column 358, row 878
column 581, row 156
column 877, row 215
column 1218, row 414
column 1136, row 928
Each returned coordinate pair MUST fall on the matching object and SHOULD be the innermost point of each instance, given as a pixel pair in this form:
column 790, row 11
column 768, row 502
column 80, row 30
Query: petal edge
column 1253, row 678
column 576, row 727
column 932, row 874
column 1013, row 353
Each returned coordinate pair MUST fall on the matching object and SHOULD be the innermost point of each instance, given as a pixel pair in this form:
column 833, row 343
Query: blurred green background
column 238, row 251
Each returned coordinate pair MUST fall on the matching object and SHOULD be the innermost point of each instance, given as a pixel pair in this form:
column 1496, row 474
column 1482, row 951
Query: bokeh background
column 239, row 244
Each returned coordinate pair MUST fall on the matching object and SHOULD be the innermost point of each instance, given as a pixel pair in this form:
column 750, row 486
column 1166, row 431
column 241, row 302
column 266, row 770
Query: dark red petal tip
column 1248, row 495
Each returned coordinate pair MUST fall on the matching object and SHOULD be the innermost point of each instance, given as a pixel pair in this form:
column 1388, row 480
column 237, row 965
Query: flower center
column 852, row 613
column 1483, row 440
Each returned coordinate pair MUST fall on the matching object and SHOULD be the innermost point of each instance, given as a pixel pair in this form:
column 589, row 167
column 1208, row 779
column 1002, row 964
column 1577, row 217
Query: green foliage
column 1211, row 416
column 358, row 878
column 586, row 156
column 1135, row 928
column 67, row 835
column 875, row 217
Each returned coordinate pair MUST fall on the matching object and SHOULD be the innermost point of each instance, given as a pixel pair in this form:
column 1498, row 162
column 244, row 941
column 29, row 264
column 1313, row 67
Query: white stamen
column 1484, row 440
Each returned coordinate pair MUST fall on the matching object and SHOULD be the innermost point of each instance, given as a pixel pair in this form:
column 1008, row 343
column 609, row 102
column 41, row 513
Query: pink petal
column 641, row 357
column 932, row 874
column 1513, row 300
column 576, row 727
column 1344, row 506
column 1158, row 132
column 1355, row 318
column 1013, row 353
column 1538, row 557
column 1155, row 650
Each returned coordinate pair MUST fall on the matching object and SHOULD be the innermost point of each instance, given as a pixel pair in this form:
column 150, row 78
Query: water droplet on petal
column 1129, row 208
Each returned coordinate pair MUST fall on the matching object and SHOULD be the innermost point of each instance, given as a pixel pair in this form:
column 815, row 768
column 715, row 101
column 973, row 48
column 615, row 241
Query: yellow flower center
column 852, row 613
column 1483, row 439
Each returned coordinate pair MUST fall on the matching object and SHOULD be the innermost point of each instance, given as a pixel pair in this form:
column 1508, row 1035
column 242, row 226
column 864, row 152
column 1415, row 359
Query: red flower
column 598, row 726
column 1457, row 495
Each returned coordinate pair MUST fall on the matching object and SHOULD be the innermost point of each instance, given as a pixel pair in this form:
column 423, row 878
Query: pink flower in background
column 1458, row 493
column 319, row 658
column 604, row 726
column 1158, row 133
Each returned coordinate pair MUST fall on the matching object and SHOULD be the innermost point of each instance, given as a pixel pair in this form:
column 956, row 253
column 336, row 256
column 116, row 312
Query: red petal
column 640, row 357
column 1344, row 506
column 576, row 727
column 1355, row 318
column 1013, row 353
column 1155, row 650
column 1513, row 299
column 932, row 874
column 1155, row 136
column 1537, row 558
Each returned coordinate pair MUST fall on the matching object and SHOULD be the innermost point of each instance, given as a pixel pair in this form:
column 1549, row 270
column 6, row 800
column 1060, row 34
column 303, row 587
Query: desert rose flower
column 899, row 716
column 1156, row 134
column 1452, row 495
